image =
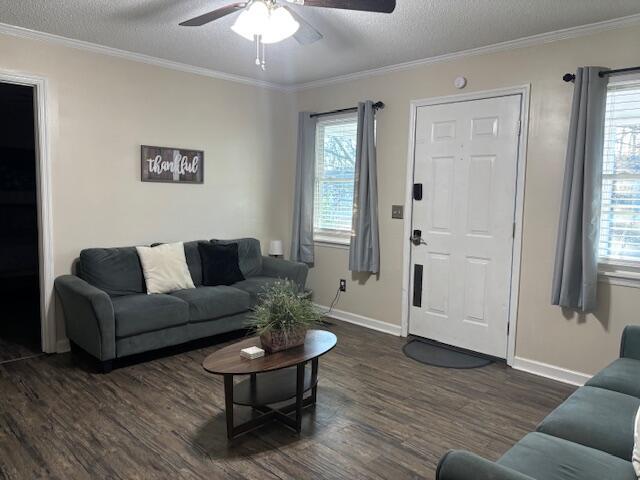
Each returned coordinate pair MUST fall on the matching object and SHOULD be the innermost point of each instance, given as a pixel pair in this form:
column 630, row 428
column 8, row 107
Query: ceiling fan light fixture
column 281, row 26
column 252, row 21
column 242, row 27
column 271, row 23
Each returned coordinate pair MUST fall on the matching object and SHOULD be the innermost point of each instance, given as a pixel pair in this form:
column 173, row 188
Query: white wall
column 101, row 109
column 545, row 334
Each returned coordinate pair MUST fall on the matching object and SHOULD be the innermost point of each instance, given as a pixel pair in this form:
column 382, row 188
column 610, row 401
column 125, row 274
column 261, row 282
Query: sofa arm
column 630, row 343
column 89, row 318
column 461, row 465
column 279, row 268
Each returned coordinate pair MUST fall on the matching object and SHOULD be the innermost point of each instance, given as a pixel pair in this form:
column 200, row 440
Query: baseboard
column 550, row 371
column 62, row 345
column 363, row 321
column 530, row 366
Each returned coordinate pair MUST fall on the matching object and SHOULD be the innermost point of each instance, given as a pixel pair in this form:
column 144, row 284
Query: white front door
column 465, row 163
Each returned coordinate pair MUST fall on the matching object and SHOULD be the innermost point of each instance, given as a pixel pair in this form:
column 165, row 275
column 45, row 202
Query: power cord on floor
column 333, row 303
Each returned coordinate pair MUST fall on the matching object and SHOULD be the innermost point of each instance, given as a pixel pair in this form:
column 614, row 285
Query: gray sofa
column 588, row 437
column 109, row 315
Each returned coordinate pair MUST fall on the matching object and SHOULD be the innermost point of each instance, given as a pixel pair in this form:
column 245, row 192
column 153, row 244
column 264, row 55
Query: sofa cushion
column 254, row 286
column 623, row 376
column 249, row 255
column 208, row 303
column 194, row 262
column 596, row 418
column 116, row 271
column 148, row 341
column 165, row 268
column 135, row 314
column 208, row 328
column 545, row 457
column 219, row 264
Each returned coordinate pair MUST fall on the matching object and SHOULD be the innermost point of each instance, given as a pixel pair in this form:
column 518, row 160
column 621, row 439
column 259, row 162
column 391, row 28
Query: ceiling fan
column 271, row 21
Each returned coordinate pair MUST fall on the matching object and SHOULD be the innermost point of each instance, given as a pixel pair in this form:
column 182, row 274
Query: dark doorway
column 19, row 264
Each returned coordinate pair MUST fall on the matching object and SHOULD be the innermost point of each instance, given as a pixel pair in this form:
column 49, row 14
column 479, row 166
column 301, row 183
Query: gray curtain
column 302, row 235
column 575, row 277
column 364, row 253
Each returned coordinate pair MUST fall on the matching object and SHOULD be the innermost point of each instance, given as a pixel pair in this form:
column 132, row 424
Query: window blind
column 620, row 214
column 335, row 167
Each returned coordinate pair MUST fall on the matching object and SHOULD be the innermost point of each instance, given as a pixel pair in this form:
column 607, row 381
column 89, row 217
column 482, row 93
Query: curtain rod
column 571, row 77
column 376, row 106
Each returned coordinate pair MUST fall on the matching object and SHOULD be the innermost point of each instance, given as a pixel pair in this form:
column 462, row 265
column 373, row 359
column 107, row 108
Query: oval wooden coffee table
column 272, row 379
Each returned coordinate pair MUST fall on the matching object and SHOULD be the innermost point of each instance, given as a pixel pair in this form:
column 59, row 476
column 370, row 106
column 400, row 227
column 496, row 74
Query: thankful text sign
column 171, row 165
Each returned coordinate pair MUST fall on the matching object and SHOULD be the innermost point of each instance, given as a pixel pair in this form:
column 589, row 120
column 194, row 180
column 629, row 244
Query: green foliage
column 280, row 309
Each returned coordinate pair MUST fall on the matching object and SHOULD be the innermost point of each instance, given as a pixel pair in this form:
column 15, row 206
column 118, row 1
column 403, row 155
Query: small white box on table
column 252, row 352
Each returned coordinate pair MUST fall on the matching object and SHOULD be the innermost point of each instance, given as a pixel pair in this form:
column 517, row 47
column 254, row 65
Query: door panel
column 442, row 197
column 437, row 277
column 466, row 158
column 479, row 200
column 475, row 293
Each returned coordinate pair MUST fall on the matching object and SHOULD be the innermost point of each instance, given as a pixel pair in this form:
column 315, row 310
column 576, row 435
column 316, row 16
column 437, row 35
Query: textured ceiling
column 354, row 41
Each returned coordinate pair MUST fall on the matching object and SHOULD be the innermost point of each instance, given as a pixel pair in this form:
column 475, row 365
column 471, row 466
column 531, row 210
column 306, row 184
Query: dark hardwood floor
column 12, row 350
column 380, row 415
column 20, row 322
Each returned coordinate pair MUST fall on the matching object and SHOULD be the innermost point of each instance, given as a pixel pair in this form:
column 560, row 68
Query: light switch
column 397, row 211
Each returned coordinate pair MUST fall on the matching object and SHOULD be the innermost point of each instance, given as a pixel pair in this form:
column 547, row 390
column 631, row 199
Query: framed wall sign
column 171, row 165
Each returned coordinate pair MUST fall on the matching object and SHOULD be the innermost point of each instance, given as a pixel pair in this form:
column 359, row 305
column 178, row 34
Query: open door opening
column 20, row 324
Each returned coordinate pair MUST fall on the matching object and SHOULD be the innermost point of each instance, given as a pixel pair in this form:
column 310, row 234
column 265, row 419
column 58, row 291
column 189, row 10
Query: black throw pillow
column 219, row 264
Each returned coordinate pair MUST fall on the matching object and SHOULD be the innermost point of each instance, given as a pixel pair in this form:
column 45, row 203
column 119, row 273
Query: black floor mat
column 442, row 356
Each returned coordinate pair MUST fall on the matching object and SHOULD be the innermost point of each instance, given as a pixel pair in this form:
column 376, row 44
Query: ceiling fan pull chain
column 264, row 56
column 257, row 50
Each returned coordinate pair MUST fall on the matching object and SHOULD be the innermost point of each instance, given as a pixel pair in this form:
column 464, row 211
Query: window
column 335, row 169
column 620, row 214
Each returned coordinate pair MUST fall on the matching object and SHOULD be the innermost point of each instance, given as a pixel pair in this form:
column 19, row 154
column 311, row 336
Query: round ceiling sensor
column 460, row 82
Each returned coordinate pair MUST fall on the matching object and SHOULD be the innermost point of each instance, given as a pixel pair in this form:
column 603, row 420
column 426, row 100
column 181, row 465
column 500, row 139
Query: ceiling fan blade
column 306, row 34
column 214, row 15
column 381, row 6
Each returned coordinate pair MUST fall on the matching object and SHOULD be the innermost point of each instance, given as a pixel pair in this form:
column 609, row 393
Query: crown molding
column 533, row 40
column 22, row 32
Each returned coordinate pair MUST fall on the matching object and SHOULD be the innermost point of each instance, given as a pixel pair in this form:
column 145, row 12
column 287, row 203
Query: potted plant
column 282, row 317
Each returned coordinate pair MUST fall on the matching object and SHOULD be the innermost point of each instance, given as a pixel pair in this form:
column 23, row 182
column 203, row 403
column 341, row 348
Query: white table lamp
column 275, row 248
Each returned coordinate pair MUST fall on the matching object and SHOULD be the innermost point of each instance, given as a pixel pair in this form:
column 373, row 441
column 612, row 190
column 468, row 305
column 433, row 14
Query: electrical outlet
column 343, row 285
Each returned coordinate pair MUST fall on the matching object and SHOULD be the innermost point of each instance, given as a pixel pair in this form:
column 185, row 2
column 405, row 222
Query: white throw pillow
column 165, row 268
column 636, row 444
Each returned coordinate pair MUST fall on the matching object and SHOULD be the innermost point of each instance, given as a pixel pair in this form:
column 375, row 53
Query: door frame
column 524, row 91
column 44, row 205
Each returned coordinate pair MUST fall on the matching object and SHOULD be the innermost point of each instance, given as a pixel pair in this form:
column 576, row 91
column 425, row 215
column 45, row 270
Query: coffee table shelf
column 269, row 388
